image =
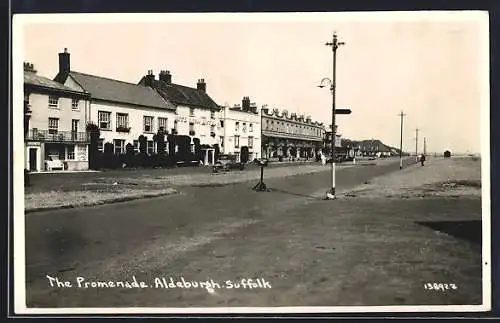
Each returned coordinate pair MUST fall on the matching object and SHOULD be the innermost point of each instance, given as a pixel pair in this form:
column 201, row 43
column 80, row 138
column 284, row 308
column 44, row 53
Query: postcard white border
column 19, row 21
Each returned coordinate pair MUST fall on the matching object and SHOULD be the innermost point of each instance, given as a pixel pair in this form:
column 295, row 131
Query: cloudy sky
column 428, row 66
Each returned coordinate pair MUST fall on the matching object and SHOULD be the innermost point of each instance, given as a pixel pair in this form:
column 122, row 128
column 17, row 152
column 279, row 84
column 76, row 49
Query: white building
column 240, row 126
column 123, row 111
column 55, row 119
column 196, row 112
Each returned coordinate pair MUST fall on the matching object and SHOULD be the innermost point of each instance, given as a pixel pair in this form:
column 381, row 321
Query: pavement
column 311, row 251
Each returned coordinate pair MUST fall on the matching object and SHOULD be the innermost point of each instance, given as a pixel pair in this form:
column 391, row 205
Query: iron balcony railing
column 57, row 136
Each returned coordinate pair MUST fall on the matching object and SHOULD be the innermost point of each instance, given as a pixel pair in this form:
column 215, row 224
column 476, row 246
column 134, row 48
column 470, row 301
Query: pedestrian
column 422, row 159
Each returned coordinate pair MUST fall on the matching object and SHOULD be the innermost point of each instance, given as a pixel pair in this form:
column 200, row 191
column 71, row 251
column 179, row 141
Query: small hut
column 447, row 154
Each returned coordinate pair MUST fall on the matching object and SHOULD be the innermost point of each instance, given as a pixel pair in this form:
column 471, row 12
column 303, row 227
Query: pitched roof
column 32, row 78
column 118, row 91
column 183, row 95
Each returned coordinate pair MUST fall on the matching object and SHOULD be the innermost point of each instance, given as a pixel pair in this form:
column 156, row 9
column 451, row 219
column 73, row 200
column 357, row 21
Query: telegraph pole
column 402, row 115
column 335, row 45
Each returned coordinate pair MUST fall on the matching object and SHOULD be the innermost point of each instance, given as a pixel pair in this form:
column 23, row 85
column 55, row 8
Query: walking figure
column 422, row 159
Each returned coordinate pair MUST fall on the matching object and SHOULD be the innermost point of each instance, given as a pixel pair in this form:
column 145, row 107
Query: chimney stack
column 28, row 67
column 149, row 78
column 166, row 77
column 245, row 104
column 201, row 85
column 64, row 64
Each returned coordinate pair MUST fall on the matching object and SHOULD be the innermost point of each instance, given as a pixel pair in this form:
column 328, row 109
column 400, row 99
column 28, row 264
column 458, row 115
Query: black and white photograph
column 251, row 162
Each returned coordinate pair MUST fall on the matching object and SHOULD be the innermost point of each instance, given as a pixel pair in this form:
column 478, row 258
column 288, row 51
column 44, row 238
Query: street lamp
column 335, row 45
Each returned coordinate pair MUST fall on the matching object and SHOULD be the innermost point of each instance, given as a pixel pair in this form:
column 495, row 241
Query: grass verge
column 60, row 199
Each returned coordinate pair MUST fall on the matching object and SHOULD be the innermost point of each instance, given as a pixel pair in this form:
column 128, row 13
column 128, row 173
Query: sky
column 428, row 66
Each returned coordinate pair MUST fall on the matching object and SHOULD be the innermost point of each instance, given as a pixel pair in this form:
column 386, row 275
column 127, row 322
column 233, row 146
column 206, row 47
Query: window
column 148, row 124
column 119, row 146
column 222, row 123
column 191, row 126
column 162, row 124
column 250, row 127
column 244, row 127
column 236, row 141
column 53, row 101
column 222, row 141
column 250, row 142
column 104, row 120
column 74, row 125
column 150, row 147
column 176, row 125
column 237, row 126
column 74, row 129
column 191, row 112
column 53, row 125
column 71, row 152
column 100, row 145
column 212, row 128
column 75, row 104
column 136, row 146
column 212, row 114
column 121, row 120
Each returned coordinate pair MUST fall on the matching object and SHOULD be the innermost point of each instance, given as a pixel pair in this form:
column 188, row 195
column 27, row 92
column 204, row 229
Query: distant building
column 55, row 119
column 328, row 140
column 240, row 126
column 289, row 135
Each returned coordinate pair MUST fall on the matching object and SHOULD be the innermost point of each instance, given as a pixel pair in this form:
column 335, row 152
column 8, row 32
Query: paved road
column 221, row 233
column 73, row 181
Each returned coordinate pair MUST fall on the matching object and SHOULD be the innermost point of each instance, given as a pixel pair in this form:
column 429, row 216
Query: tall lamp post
column 335, row 45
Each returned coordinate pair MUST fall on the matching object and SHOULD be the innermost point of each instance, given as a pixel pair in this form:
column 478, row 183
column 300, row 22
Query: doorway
column 33, row 159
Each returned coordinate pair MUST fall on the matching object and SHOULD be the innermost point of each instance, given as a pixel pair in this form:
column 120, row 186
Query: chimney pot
column 201, row 85
column 165, row 76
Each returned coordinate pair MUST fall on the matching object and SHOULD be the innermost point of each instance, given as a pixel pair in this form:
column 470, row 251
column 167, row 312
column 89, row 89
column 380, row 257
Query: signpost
column 343, row 111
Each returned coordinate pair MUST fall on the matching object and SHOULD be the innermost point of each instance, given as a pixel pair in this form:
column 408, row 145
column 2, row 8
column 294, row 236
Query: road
column 312, row 252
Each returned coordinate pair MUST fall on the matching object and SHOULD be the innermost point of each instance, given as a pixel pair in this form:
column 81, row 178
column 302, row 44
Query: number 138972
column 440, row 286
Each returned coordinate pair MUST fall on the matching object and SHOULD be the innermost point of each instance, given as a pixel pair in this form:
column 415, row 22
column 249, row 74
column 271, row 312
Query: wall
column 41, row 112
column 230, row 118
column 135, row 120
column 202, row 124
column 301, row 130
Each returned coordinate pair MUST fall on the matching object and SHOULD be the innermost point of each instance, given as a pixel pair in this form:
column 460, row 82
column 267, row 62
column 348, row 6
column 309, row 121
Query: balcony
column 123, row 129
column 59, row 136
